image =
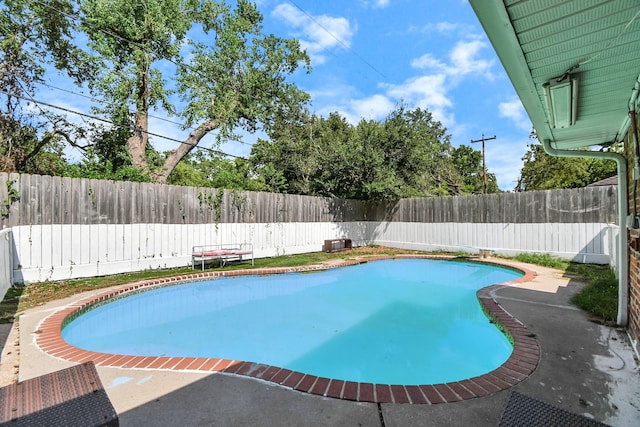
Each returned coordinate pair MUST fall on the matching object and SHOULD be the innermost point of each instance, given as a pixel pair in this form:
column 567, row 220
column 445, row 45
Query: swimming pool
column 400, row 321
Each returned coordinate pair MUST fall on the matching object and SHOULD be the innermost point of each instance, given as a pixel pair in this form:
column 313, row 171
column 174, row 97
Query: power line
column 164, row 119
column 90, row 116
column 189, row 67
column 42, row 111
column 198, row 72
column 343, row 44
column 144, row 48
column 94, row 99
column 77, row 17
column 30, row 98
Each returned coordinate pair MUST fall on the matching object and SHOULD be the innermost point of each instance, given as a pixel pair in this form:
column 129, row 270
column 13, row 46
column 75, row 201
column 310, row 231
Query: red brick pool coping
column 522, row 362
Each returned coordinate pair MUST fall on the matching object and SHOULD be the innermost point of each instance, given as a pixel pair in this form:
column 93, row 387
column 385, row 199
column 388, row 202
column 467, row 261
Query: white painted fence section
column 6, row 262
column 612, row 238
column 55, row 252
column 585, row 242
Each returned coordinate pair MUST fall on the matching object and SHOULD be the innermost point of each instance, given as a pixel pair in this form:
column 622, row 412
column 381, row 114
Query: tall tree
column 419, row 149
column 468, row 164
column 406, row 155
column 290, row 161
column 25, row 149
column 224, row 71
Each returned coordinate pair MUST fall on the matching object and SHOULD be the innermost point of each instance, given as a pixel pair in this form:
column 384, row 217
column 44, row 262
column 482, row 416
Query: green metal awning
column 596, row 41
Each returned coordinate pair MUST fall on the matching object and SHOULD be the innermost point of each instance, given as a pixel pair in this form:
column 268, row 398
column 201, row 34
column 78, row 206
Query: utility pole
column 484, row 160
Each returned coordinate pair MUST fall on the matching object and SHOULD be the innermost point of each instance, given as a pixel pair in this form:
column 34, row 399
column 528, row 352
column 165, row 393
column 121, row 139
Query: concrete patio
column 584, row 368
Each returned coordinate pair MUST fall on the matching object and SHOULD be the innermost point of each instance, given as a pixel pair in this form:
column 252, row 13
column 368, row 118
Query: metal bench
column 70, row 397
column 221, row 253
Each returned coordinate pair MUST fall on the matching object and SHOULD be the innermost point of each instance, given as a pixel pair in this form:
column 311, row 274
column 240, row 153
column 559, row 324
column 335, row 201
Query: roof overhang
column 597, row 41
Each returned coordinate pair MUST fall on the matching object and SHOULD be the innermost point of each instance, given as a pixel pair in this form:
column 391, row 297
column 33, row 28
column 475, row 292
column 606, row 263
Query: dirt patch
column 10, row 356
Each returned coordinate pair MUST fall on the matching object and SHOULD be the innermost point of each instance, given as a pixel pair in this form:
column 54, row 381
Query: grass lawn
column 599, row 298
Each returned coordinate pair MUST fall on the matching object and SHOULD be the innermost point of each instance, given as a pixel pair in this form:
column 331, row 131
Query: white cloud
column 431, row 90
column 464, row 58
column 446, row 27
column 428, row 61
column 374, row 107
column 513, row 110
column 316, row 34
column 376, row 4
column 428, row 92
column 443, row 27
column 381, row 3
column 423, row 90
column 333, row 89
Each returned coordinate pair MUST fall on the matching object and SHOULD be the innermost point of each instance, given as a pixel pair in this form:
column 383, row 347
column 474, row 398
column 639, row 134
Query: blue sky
column 369, row 55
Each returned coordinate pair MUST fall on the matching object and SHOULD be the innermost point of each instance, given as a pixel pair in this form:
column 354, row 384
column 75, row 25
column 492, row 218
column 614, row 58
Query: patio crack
column 380, row 415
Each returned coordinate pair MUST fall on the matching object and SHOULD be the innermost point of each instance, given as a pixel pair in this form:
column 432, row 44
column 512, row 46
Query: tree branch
column 162, row 175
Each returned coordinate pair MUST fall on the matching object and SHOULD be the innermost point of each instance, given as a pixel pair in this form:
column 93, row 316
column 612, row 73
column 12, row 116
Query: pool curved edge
column 519, row 366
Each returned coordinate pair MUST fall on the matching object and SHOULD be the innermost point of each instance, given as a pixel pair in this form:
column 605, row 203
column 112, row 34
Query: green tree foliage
column 30, row 39
column 406, row 155
column 468, row 163
column 33, row 35
column 542, row 171
column 206, row 169
column 234, row 76
column 107, row 157
column 203, row 62
column 23, row 150
column 208, row 65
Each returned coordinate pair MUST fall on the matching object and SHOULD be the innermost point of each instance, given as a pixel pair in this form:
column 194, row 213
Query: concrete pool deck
column 584, row 368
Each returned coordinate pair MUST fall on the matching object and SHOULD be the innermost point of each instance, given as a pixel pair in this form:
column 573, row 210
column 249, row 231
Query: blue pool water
column 403, row 321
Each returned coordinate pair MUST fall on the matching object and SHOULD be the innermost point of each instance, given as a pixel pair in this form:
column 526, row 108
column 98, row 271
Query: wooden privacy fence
column 64, row 228
column 41, row 200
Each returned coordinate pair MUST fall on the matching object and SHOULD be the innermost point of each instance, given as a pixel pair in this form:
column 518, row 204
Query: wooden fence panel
column 54, row 200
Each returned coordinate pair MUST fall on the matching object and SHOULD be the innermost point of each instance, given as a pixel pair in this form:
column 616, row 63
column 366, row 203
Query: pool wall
column 522, row 362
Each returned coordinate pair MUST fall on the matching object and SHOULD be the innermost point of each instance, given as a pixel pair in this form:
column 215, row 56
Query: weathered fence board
column 54, row 200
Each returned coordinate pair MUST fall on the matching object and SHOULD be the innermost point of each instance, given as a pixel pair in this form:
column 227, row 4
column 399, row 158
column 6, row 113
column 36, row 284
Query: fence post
column 6, row 261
